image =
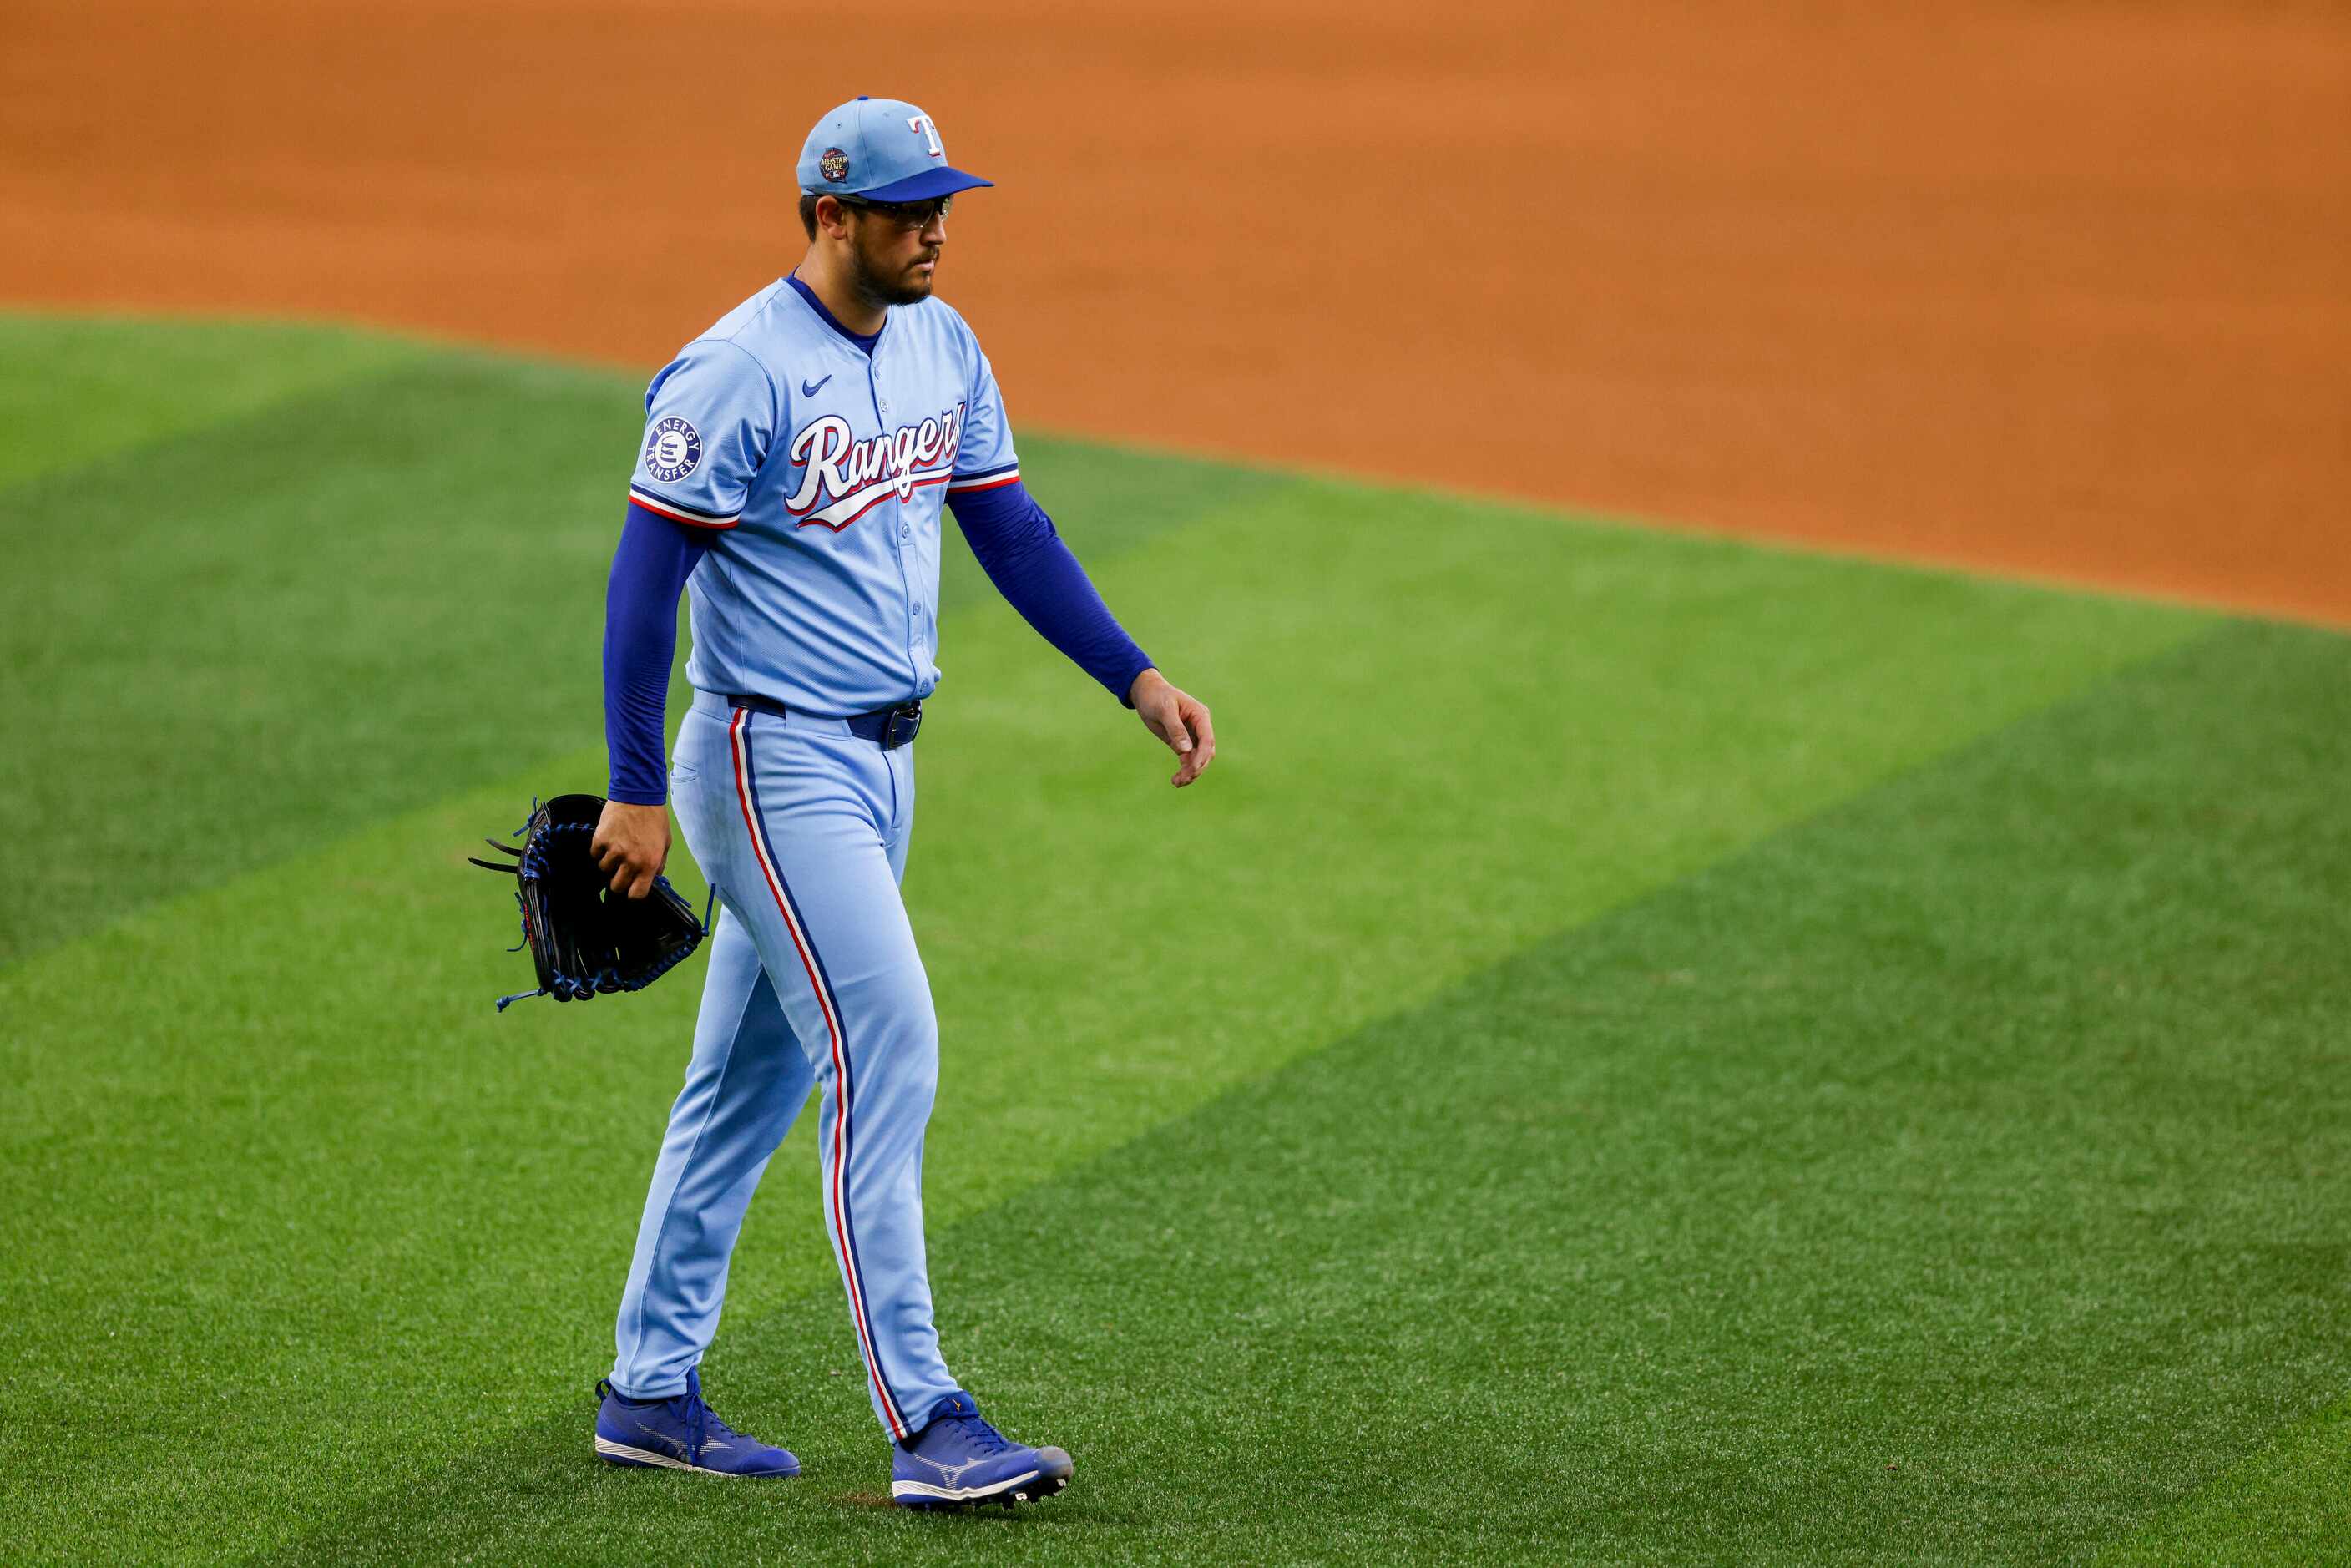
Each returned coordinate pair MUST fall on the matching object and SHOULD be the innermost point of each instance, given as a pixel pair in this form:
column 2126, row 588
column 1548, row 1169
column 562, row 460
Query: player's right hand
column 1177, row 718
column 631, row 845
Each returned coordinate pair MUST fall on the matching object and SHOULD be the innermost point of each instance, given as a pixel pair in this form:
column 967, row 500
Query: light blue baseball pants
column 813, row 983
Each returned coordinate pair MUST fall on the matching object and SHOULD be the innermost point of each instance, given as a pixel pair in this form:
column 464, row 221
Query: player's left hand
column 1180, row 719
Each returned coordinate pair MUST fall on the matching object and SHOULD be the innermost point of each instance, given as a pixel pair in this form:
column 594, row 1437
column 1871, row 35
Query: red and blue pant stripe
column 804, row 833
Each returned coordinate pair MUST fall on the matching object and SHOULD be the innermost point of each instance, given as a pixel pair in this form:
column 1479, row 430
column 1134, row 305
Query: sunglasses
column 905, row 214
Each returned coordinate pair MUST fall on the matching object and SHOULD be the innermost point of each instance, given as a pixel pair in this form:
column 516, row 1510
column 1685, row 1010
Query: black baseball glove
column 585, row 937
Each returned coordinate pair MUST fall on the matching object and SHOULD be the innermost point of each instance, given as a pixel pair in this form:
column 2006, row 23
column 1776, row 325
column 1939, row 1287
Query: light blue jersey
column 823, row 469
column 816, row 464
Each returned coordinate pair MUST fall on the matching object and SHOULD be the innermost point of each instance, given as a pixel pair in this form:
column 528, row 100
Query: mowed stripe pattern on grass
column 268, row 583
column 78, row 388
column 1959, row 1177
column 298, row 1175
column 306, row 1168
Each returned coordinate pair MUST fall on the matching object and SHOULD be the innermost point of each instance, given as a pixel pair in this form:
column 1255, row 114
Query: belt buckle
column 901, row 726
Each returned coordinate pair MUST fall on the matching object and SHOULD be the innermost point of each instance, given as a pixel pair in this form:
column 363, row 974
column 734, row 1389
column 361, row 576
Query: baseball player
column 796, row 458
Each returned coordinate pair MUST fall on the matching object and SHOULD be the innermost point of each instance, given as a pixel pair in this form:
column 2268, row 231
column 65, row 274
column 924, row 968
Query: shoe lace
column 701, row 1421
column 982, row 1437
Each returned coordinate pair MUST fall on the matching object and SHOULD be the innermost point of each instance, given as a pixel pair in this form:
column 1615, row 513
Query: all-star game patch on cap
column 881, row 149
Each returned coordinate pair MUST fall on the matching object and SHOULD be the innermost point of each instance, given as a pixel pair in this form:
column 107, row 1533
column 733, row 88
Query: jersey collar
column 864, row 342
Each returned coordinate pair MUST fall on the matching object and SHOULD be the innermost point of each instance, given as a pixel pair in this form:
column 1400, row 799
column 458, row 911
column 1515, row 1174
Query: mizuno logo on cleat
column 674, row 1445
column 950, row 1474
column 678, row 1446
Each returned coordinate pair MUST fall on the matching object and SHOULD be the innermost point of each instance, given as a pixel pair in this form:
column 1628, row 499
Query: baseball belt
column 888, row 727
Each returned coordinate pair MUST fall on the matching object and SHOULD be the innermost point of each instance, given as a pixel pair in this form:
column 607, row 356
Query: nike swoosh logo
column 807, row 389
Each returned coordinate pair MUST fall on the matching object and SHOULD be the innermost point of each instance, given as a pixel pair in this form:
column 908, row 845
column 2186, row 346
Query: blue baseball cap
column 882, row 150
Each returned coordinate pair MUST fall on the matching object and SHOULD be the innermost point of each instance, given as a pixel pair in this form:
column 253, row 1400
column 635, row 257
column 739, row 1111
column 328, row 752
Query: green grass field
column 1644, row 1048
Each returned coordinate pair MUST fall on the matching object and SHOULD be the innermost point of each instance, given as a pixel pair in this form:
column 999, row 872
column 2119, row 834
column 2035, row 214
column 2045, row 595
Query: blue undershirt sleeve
column 1026, row 558
column 649, row 571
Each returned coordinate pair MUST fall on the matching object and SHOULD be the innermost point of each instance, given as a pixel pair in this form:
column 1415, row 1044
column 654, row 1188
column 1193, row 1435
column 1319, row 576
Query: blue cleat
column 959, row 1459
column 681, row 1433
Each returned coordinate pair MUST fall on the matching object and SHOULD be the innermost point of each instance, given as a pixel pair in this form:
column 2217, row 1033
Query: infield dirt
column 2063, row 290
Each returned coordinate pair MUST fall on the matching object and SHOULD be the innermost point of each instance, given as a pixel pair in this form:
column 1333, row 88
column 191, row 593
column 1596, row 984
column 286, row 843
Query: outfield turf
column 1643, row 1048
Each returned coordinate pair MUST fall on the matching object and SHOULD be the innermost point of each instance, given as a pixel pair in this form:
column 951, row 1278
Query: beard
column 879, row 286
